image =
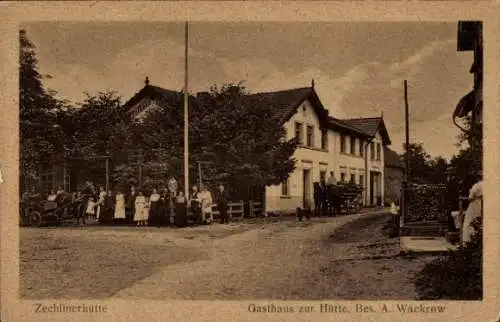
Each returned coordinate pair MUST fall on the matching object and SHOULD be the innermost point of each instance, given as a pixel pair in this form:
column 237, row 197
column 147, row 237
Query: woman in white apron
column 119, row 214
column 140, row 207
column 474, row 211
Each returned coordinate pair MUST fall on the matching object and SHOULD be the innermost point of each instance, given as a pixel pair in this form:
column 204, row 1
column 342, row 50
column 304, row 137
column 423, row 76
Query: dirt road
column 346, row 257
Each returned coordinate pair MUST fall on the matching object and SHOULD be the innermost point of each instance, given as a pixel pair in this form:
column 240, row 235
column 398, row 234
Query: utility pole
column 407, row 133
column 186, row 115
column 404, row 194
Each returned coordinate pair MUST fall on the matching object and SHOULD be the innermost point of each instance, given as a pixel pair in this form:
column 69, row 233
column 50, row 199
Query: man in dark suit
column 222, row 200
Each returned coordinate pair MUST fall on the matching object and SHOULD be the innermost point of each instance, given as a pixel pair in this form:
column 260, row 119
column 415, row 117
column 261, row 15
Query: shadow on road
column 365, row 229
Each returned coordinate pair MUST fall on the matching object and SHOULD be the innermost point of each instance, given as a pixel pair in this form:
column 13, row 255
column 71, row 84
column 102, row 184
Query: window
column 353, row 178
column 310, row 137
column 322, row 176
column 324, row 139
column 361, row 180
column 378, row 151
column 342, row 177
column 361, row 148
column 372, row 151
column 353, row 145
column 298, row 132
column 342, row 143
column 284, row 188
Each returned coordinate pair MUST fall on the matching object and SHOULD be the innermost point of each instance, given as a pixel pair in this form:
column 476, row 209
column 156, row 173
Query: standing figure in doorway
column 317, row 198
column 324, row 199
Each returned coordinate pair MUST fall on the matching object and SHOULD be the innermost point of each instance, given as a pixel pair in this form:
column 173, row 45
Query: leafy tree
column 40, row 136
column 93, row 123
column 257, row 154
column 438, row 167
column 419, row 163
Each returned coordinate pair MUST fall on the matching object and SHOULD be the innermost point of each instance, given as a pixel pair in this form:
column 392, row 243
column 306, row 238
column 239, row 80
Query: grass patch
column 454, row 276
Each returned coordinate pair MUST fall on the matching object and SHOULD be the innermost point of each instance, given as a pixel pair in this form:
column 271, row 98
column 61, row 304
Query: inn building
column 353, row 149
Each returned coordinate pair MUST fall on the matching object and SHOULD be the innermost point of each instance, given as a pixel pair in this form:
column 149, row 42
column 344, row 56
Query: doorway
column 375, row 193
column 306, row 188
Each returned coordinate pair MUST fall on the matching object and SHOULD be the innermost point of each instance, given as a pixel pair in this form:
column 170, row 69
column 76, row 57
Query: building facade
column 393, row 176
column 352, row 149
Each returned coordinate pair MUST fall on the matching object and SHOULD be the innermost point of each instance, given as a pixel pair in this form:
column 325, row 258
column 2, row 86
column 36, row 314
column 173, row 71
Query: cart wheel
column 35, row 219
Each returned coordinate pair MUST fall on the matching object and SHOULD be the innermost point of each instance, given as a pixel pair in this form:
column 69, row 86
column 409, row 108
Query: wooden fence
column 237, row 209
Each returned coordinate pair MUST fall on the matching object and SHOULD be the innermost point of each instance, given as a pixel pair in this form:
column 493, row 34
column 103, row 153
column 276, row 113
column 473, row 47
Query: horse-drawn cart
column 351, row 197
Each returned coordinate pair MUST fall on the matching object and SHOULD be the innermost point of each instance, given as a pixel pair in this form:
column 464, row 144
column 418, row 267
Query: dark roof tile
column 370, row 126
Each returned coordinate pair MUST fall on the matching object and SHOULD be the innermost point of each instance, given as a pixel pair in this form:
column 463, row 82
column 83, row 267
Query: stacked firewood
column 426, row 202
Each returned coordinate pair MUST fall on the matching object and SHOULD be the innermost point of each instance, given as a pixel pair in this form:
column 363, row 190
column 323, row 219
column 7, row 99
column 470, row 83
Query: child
column 140, row 205
column 90, row 208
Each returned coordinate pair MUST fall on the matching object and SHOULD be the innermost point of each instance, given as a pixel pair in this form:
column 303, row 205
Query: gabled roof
column 370, row 126
column 153, row 92
column 343, row 127
column 285, row 103
column 392, row 159
column 161, row 95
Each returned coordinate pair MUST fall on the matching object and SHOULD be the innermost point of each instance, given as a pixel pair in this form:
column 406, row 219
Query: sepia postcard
column 227, row 161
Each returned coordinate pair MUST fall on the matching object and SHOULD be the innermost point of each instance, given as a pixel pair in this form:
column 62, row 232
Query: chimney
column 312, row 83
column 146, row 81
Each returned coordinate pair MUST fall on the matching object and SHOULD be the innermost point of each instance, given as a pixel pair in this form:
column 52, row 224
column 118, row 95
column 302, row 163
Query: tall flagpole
column 186, row 118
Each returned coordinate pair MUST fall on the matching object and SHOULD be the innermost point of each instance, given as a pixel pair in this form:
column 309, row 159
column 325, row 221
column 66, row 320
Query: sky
column 358, row 67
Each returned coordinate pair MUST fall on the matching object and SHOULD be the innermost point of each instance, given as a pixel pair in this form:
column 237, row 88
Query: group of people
column 156, row 207
column 327, row 198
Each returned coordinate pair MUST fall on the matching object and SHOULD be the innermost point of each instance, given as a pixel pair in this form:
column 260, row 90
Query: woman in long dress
column 180, row 210
column 206, row 205
column 195, row 203
column 109, row 202
column 100, row 203
column 139, row 213
column 119, row 214
column 155, row 209
column 474, row 211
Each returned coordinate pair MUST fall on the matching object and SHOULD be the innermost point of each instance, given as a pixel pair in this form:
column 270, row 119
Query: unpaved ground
column 346, row 257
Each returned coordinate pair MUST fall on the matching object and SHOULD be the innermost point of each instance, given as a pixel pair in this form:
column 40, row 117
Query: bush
column 456, row 275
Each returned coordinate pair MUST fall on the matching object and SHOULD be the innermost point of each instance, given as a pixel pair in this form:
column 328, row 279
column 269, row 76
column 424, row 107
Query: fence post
column 250, row 208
